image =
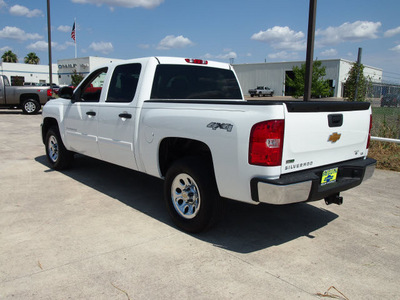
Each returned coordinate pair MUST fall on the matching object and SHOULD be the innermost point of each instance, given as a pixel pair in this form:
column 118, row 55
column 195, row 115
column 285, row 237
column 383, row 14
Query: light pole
column 310, row 49
column 49, row 42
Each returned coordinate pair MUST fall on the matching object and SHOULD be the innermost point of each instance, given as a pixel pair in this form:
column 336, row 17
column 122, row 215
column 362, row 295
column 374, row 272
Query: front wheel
column 57, row 155
column 191, row 195
column 30, row 107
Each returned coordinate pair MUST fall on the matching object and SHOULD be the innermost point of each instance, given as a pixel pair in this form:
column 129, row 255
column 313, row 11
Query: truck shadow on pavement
column 244, row 228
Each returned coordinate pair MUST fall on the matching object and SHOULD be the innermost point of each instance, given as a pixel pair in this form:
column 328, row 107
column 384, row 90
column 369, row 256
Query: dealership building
column 62, row 71
column 274, row 75
column 250, row 76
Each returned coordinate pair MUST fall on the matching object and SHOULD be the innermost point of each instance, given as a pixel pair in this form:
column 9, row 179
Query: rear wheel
column 57, row 155
column 191, row 195
column 30, row 106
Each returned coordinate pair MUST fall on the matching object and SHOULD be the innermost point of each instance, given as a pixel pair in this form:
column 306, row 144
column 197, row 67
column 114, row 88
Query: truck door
column 116, row 131
column 81, row 115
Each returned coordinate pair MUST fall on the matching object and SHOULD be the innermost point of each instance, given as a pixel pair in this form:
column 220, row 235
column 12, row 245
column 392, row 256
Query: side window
column 90, row 90
column 124, row 83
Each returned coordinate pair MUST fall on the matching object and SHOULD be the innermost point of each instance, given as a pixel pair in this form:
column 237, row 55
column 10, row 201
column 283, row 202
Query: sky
column 250, row 31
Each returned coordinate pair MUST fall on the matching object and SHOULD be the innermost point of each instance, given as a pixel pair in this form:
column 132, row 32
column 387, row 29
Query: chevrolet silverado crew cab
column 28, row 98
column 186, row 121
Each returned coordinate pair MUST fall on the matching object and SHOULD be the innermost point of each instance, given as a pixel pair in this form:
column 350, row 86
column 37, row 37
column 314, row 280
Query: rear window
column 194, row 82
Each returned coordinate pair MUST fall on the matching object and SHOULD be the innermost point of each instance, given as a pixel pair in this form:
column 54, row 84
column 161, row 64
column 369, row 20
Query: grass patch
column 386, row 123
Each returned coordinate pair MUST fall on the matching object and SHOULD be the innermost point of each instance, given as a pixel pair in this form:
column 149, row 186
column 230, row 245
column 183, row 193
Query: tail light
column 369, row 132
column 49, row 93
column 266, row 143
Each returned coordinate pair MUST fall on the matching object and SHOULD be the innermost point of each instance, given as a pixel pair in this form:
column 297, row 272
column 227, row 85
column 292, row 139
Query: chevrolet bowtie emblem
column 334, row 137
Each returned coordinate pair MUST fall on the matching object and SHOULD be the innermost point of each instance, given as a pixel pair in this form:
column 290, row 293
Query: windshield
column 6, row 82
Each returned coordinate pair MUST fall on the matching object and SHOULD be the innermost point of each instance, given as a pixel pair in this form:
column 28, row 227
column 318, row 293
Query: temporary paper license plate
column 329, row 176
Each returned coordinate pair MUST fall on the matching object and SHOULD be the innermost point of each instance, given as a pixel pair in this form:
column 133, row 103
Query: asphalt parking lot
column 99, row 231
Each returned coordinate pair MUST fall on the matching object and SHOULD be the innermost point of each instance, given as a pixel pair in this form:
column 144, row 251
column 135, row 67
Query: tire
column 272, row 94
column 30, row 107
column 57, row 155
column 191, row 195
column 260, row 94
column 252, row 95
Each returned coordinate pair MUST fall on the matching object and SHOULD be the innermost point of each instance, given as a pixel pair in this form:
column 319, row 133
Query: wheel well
column 47, row 123
column 172, row 149
column 24, row 97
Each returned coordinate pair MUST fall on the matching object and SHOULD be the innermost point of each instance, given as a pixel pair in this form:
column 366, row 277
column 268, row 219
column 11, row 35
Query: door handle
column 125, row 115
column 91, row 113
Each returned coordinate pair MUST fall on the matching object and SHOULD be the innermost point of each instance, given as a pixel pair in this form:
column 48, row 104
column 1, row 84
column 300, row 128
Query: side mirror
column 66, row 92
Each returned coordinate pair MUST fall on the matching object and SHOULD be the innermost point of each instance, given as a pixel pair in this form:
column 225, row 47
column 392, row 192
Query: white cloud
column 329, row 53
column 102, row 47
column 6, row 48
column 283, row 55
column 41, row 46
column 144, row 46
column 2, row 4
column 123, row 3
column 16, row 33
column 64, row 28
column 63, row 46
column 173, row 42
column 396, row 49
column 22, row 11
column 224, row 56
column 392, row 32
column 357, row 31
column 282, row 38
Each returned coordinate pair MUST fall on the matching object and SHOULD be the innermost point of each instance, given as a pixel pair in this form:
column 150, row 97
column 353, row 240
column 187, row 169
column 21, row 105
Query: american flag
column 73, row 32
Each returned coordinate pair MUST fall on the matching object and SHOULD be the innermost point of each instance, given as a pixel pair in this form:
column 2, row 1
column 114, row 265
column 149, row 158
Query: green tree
column 363, row 85
column 76, row 78
column 10, row 57
column 319, row 86
column 32, row 58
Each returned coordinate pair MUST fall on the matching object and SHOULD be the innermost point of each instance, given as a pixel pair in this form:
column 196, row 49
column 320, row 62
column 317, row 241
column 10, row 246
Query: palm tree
column 10, row 57
column 32, row 58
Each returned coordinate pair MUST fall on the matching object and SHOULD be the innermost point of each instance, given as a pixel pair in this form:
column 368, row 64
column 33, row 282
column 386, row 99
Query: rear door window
column 124, row 83
column 194, row 82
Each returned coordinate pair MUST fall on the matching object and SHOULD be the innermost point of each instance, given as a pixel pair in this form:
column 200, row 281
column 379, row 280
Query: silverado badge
column 334, row 137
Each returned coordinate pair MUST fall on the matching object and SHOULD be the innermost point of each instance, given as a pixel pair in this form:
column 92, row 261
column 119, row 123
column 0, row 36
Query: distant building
column 82, row 65
column 274, row 75
column 27, row 73
column 62, row 71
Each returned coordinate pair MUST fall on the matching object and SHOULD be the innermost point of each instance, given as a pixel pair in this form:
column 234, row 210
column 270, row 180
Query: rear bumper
column 305, row 186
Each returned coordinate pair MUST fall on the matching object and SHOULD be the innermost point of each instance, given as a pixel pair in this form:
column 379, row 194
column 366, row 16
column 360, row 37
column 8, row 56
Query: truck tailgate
column 323, row 133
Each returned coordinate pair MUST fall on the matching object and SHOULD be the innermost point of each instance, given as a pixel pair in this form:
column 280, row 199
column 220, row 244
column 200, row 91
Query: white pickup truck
column 186, row 121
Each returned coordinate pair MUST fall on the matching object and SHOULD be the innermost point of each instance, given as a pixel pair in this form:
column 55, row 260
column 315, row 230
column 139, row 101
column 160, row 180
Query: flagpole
column 76, row 30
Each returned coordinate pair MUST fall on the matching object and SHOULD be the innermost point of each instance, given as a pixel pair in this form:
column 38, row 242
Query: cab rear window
column 194, row 82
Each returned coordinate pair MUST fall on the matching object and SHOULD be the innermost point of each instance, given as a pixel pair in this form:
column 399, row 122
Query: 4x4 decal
column 224, row 126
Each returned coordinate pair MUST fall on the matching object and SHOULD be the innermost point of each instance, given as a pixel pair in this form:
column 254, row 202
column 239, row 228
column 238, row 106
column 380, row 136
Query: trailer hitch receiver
column 336, row 198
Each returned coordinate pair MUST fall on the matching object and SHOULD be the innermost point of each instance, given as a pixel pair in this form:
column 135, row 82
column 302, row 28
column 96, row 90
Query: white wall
column 82, row 65
column 273, row 74
column 31, row 73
